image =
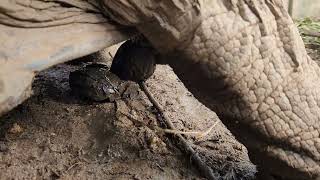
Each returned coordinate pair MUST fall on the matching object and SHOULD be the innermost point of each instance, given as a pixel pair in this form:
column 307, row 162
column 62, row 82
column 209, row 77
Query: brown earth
column 57, row 135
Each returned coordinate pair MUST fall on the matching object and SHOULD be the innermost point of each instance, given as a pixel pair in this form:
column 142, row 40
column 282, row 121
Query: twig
column 208, row 131
column 198, row 134
column 110, row 55
column 159, row 167
column 72, row 166
column 205, row 170
column 113, row 86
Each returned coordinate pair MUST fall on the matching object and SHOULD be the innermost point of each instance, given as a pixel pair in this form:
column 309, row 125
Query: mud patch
column 65, row 137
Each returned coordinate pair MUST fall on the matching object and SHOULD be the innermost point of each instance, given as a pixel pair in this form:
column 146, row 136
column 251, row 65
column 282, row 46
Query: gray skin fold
column 37, row 34
column 244, row 59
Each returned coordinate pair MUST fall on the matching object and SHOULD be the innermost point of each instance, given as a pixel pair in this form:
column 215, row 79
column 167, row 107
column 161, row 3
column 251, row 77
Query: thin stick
column 72, row 166
column 201, row 135
column 198, row 134
column 110, row 55
column 205, row 170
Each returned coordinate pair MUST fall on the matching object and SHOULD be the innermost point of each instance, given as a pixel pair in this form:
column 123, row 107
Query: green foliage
column 307, row 25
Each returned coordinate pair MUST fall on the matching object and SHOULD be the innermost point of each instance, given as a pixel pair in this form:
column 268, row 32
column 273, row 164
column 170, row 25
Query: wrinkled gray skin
column 246, row 61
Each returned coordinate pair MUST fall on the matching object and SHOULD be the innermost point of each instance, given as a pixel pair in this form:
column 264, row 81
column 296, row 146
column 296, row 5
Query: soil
column 58, row 135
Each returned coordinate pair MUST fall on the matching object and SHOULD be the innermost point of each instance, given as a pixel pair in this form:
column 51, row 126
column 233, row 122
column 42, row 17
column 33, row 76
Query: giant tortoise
column 244, row 59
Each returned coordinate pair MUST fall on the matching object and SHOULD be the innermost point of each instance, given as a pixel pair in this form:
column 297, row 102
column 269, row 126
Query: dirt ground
column 57, row 135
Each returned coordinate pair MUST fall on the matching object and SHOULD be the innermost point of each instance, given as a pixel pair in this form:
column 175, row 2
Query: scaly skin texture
column 37, row 34
column 245, row 60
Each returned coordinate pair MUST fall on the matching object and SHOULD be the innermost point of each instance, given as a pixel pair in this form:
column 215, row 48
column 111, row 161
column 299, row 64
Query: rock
column 95, row 82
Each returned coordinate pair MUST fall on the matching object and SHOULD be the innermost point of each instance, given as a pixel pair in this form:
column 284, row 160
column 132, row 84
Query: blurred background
column 303, row 8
